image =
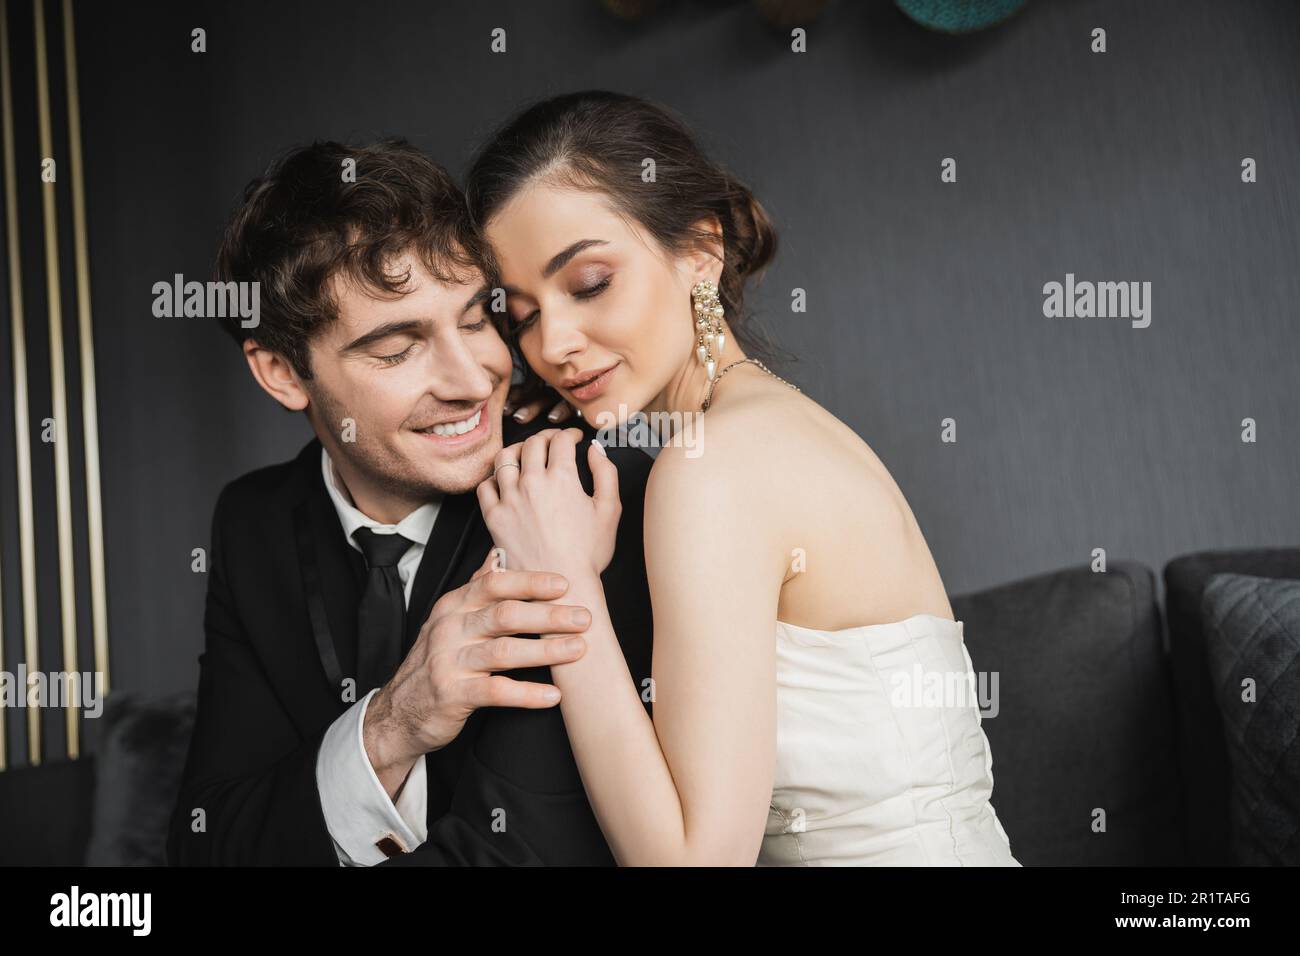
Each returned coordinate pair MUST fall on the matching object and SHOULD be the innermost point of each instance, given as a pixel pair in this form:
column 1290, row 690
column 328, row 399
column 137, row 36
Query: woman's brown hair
column 601, row 140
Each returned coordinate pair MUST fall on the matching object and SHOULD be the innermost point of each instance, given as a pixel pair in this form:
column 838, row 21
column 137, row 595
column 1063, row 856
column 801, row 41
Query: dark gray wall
column 924, row 299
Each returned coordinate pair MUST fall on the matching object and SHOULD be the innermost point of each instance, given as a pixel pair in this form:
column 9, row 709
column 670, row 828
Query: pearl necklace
column 708, row 399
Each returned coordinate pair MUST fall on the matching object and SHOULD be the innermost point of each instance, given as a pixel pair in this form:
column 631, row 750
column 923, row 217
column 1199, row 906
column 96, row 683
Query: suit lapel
column 459, row 528
column 333, row 572
column 457, row 517
column 330, row 582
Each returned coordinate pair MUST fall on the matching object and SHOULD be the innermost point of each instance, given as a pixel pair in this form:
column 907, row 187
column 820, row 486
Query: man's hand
column 449, row 672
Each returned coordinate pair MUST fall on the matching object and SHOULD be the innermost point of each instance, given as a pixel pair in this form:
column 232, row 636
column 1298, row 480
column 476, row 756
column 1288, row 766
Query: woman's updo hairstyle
column 600, row 140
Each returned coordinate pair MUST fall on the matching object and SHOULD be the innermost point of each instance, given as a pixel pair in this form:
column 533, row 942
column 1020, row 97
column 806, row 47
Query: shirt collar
column 417, row 526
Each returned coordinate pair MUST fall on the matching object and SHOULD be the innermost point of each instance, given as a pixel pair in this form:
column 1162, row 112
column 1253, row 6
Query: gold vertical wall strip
column 22, row 437
column 89, row 399
column 4, row 755
column 58, row 389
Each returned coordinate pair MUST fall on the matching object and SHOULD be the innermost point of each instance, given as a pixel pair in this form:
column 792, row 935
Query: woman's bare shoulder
column 775, row 452
column 712, row 448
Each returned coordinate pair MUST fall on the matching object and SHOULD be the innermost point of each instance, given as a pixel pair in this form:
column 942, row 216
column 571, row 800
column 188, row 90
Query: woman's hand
column 523, row 405
column 539, row 515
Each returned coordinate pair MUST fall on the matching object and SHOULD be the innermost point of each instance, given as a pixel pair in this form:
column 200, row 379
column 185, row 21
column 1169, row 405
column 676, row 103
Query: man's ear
column 704, row 260
column 276, row 376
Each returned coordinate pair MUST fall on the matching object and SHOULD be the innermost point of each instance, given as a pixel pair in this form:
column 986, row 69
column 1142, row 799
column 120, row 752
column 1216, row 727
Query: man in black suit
column 369, row 689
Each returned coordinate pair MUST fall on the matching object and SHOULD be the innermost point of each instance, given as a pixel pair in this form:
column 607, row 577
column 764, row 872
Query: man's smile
column 457, row 432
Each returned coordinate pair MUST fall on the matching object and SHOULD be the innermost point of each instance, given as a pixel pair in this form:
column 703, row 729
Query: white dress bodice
column 880, row 757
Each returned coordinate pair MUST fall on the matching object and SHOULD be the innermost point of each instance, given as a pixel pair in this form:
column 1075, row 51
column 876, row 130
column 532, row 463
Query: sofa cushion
column 139, row 757
column 1084, row 733
column 1252, row 630
column 1201, row 747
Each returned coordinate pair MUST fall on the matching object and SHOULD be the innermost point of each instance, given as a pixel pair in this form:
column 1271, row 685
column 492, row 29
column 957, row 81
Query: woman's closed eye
column 591, row 291
column 587, row 292
column 527, row 320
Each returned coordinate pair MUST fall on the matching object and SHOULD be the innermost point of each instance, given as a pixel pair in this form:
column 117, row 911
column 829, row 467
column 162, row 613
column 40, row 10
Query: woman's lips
column 596, row 387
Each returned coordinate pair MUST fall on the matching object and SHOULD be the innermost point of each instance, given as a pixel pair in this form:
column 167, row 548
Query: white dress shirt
column 358, row 810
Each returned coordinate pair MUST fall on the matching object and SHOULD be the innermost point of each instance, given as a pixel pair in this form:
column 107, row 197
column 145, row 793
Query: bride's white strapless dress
column 871, row 771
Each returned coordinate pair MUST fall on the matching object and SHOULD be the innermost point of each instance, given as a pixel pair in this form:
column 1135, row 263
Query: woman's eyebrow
column 559, row 259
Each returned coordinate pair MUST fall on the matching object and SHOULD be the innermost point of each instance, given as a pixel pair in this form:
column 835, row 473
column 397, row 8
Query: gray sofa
column 1108, row 741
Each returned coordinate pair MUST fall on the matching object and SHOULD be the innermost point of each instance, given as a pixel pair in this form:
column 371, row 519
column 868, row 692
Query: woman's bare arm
column 692, row 787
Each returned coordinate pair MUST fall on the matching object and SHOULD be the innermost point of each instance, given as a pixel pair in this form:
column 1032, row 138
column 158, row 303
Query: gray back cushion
column 138, row 762
column 1203, row 753
column 1084, row 737
column 1252, row 630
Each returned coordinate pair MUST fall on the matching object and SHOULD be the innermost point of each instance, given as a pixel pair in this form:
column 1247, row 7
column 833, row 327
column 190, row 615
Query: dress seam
column 947, row 754
column 790, row 833
column 907, row 751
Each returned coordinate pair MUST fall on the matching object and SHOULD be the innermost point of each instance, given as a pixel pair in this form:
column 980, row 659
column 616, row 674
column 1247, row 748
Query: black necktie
column 381, row 617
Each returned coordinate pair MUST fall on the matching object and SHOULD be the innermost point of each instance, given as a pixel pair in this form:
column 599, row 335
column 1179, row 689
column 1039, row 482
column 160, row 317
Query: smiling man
column 369, row 687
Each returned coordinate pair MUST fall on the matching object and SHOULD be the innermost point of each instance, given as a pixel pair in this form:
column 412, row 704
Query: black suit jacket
column 281, row 636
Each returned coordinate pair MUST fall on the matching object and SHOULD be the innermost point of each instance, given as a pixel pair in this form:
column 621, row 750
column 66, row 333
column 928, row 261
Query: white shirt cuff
column 358, row 811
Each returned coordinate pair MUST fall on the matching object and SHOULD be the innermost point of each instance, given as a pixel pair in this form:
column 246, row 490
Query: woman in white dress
column 795, row 600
